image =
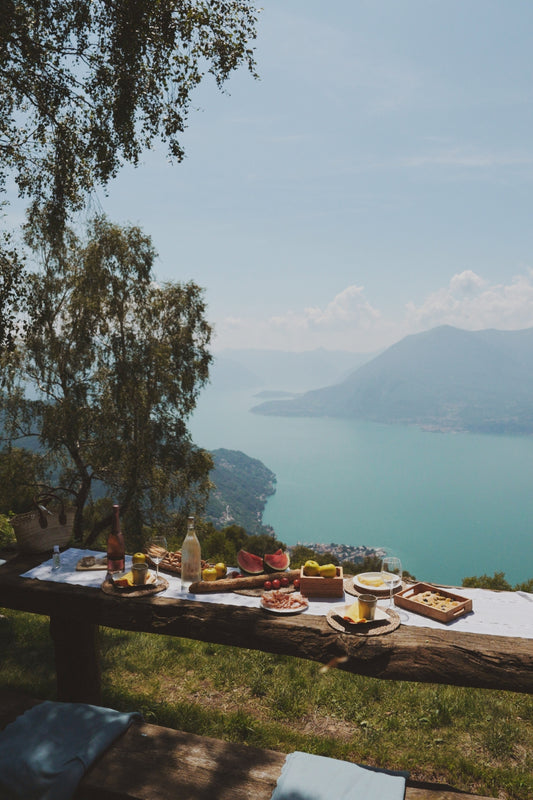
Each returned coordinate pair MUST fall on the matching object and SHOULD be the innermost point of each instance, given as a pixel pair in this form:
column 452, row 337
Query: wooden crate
column 317, row 586
column 407, row 599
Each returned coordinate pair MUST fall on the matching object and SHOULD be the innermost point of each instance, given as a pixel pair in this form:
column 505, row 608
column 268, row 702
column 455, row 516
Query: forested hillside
column 242, row 487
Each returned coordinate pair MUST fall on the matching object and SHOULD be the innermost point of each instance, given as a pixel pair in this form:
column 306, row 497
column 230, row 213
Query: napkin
column 310, row 777
column 45, row 751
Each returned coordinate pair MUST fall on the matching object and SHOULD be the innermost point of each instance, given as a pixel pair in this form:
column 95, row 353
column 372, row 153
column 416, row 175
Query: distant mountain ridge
column 281, row 370
column 442, row 379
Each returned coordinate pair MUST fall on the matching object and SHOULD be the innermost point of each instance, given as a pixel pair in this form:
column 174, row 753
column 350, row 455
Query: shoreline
column 344, row 552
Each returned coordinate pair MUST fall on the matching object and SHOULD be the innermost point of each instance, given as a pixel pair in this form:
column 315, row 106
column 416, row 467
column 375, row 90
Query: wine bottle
column 115, row 545
column 191, row 561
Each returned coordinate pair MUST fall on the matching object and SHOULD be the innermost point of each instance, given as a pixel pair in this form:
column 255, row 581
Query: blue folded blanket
column 45, row 752
column 309, row 777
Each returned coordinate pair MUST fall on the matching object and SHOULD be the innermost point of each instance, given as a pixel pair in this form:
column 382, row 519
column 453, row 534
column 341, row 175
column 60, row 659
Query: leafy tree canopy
column 86, row 85
column 11, row 291
column 107, row 373
column 21, row 473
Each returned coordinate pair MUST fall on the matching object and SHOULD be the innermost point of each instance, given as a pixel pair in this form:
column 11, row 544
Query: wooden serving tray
column 317, row 586
column 135, row 591
column 92, row 563
column 408, row 599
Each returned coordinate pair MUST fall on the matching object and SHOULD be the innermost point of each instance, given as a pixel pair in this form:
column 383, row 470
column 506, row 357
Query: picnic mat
column 495, row 613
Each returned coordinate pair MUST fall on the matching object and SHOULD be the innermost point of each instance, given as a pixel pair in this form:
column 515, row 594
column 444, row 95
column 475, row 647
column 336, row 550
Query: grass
column 477, row 740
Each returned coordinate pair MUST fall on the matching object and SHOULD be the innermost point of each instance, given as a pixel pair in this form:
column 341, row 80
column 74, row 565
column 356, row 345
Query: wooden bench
column 153, row 763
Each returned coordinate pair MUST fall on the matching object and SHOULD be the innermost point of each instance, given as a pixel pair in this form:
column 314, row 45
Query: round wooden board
column 370, row 629
column 154, row 588
column 350, row 588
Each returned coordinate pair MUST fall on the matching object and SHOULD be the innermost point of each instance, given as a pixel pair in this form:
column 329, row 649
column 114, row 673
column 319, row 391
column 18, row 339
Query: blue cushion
column 310, row 777
column 45, row 752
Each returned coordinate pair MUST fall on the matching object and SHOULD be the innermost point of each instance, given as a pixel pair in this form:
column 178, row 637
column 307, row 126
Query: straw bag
column 39, row 530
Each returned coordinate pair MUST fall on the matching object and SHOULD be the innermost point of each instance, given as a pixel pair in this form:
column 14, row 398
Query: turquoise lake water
column 449, row 505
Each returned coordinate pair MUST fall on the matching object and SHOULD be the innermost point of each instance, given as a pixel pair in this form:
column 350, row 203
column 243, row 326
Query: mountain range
column 278, row 370
column 443, row 379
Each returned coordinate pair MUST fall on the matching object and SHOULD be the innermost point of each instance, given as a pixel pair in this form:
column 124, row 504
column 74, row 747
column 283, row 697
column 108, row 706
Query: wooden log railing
column 409, row 653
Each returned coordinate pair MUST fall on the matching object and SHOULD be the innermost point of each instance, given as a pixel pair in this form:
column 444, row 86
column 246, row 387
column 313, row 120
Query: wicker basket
column 39, row 530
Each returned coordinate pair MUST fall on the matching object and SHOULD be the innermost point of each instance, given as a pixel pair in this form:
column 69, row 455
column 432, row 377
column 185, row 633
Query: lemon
column 209, row 574
column 221, row 569
column 138, row 558
column 328, row 570
column 311, row 568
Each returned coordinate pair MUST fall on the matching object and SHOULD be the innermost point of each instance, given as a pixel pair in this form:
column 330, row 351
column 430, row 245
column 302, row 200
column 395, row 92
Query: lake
column 450, row 505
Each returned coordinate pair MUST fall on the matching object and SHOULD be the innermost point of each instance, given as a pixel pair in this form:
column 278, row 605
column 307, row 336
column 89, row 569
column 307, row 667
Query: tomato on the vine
column 276, row 584
column 267, row 585
column 284, row 582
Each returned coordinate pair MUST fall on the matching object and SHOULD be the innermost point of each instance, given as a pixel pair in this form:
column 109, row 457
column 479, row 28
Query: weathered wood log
column 409, row 653
column 234, row 584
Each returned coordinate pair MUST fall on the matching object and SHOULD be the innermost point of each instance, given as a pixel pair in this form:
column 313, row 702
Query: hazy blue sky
column 376, row 181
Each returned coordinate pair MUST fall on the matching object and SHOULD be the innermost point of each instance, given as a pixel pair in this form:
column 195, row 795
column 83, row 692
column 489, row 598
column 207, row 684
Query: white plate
column 284, row 610
column 369, row 589
column 380, row 615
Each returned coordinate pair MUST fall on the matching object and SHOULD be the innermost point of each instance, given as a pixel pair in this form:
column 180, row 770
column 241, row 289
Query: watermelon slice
column 250, row 563
column 276, row 562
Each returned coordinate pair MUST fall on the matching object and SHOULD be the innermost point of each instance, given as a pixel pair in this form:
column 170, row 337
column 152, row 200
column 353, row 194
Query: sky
column 376, row 181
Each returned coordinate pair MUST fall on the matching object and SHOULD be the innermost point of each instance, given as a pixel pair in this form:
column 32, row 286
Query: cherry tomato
column 296, row 583
column 276, row 584
column 268, row 585
column 284, row 582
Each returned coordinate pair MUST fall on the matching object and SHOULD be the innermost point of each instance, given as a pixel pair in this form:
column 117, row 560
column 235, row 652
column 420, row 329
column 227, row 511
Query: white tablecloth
column 494, row 613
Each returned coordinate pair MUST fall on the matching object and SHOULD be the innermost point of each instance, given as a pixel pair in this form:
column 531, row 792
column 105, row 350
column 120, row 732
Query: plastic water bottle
column 56, row 558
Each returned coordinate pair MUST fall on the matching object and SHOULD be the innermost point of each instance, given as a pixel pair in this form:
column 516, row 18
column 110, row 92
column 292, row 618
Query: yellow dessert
column 127, row 580
column 352, row 613
column 124, row 580
column 372, row 581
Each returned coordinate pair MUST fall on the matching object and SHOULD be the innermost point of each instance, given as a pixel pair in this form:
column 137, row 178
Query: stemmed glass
column 157, row 549
column 391, row 573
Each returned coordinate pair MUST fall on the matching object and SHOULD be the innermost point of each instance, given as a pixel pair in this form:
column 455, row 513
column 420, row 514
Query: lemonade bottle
column 191, row 562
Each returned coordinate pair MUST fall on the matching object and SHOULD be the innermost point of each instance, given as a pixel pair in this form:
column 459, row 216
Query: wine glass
column 391, row 573
column 157, row 549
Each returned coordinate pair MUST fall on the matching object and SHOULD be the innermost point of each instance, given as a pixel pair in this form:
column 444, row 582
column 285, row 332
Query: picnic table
column 413, row 653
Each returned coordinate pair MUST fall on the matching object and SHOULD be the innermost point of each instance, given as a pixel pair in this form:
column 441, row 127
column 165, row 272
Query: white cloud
column 348, row 322
column 466, row 283
column 348, row 309
column 470, row 302
column 351, row 322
